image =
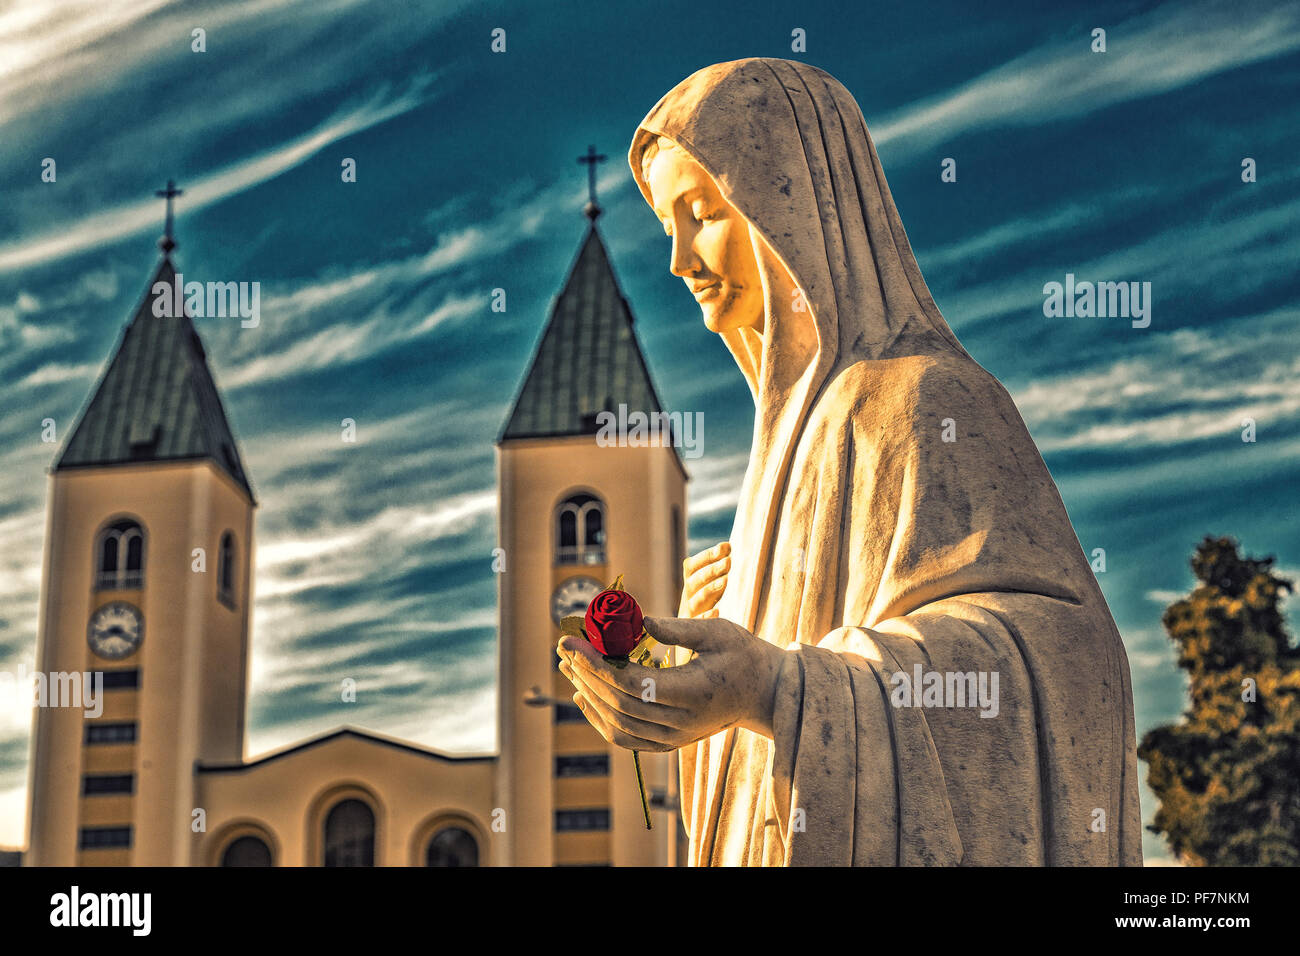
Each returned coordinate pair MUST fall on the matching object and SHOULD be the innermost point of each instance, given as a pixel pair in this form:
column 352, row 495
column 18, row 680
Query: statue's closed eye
column 710, row 215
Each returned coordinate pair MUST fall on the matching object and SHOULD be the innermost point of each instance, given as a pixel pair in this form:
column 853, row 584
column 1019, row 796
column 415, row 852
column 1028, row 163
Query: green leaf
column 573, row 626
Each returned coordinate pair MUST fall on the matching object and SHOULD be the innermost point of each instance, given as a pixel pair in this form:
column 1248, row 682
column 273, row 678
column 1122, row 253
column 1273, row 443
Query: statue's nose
column 684, row 261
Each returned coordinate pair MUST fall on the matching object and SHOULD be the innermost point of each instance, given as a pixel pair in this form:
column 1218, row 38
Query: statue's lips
column 707, row 290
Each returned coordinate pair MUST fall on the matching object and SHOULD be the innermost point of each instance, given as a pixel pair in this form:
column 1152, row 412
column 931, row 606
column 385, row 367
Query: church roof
column 365, row 736
column 588, row 359
column 157, row 401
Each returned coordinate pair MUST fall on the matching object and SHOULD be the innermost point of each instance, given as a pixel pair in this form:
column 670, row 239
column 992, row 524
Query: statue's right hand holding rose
column 729, row 680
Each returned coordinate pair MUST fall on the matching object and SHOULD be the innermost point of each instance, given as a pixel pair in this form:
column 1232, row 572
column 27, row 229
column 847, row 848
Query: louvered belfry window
column 120, row 557
column 580, row 530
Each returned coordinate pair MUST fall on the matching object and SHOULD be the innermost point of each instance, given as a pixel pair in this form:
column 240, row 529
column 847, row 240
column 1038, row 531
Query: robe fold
column 896, row 520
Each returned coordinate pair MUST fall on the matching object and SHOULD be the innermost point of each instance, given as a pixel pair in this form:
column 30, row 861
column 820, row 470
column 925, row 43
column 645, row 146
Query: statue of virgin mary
column 911, row 662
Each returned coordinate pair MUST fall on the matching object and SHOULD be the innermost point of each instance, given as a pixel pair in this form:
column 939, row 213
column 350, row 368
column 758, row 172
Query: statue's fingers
column 645, row 707
column 707, row 556
column 707, row 596
column 700, row 559
column 593, row 718
column 708, row 573
column 572, row 644
column 629, row 732
column 672, row 686
column 595, row 669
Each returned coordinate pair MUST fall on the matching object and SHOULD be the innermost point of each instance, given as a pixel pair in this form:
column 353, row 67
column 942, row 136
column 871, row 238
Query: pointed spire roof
column 157, row 401
column 588, row 359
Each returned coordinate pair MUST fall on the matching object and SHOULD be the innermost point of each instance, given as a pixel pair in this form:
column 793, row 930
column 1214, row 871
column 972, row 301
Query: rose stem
column 645, row 808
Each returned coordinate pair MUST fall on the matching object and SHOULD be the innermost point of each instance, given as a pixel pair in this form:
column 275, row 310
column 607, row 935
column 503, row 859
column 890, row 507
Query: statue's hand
column 705, row 578
column 730, row 682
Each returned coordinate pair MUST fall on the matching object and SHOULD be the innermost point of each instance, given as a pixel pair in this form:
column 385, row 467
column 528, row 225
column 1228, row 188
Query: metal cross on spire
column 167, row 243
column 592, row 209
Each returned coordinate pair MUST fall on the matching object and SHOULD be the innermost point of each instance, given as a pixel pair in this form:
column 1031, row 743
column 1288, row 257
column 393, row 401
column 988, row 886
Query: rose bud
column 613, row 623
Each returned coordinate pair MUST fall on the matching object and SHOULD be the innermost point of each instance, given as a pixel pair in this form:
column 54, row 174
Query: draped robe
column 895, row 518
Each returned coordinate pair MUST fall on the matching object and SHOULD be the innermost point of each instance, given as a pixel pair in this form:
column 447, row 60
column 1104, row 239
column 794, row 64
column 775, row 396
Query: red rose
column 613, row 623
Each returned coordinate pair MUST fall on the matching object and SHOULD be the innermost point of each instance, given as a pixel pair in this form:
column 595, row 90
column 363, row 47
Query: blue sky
column 373, row 560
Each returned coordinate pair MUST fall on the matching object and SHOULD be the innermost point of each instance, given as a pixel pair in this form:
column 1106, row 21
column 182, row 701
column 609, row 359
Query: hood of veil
column 788, row 147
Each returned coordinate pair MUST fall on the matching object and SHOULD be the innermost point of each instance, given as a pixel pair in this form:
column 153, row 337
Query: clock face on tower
column 573, row 596
column 115, row 630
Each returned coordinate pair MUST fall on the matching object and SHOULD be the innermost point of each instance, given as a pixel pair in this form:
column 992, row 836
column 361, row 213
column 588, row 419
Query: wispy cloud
column 142, row 216
column 57, row 51
column 350, row 314
column 52, row 42
column 1173, row 392
column 1175, row 45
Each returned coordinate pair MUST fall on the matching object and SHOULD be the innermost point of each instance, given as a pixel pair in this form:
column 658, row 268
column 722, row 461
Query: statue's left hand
column 729, row 682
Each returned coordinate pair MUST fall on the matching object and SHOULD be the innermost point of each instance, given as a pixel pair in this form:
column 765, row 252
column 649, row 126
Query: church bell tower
column 573, row 514
column 146, row 581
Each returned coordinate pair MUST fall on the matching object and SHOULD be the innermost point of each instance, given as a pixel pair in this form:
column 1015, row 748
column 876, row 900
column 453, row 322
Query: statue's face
column 711, row 247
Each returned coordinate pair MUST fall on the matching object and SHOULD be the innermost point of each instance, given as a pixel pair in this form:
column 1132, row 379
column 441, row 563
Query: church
column 148, row 578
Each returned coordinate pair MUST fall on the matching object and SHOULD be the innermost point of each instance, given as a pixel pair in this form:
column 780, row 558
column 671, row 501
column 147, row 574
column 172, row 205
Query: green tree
column 1228, row 773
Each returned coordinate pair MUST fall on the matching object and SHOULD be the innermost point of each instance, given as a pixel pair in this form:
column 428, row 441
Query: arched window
column 247, row 851
column 452, row 846
column 350, row 835
column 120, row 557
column 226, row 569
column 580, row 530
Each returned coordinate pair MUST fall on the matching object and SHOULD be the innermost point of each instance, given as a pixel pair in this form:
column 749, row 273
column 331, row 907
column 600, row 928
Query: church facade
column 148, row 580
